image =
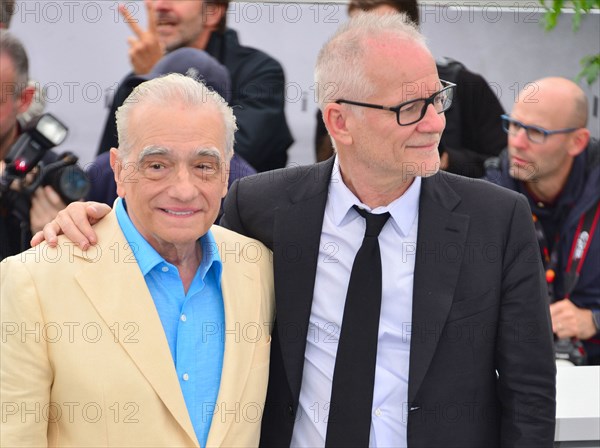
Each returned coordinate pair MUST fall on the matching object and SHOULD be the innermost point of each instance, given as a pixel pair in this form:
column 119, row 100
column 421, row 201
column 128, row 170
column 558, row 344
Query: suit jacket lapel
column 238, row 282
column 116, row 288
column 435, row 278
column 297, row 230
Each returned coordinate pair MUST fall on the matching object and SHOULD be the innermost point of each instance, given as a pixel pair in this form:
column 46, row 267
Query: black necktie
column 349, row 422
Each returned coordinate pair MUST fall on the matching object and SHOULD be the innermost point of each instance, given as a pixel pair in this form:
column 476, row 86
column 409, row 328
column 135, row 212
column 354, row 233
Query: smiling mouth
column 178, row 213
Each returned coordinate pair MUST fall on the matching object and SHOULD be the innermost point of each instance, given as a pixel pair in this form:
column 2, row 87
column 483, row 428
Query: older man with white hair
column 161, row 337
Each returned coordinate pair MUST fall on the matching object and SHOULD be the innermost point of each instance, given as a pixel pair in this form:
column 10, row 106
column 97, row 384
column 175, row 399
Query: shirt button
column 378, row 412
column 185, row 377
column 183, row 318
column 165, row 269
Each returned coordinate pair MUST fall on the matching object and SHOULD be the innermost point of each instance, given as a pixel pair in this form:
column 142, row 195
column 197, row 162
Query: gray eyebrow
column 209, row 152
column 154, row 150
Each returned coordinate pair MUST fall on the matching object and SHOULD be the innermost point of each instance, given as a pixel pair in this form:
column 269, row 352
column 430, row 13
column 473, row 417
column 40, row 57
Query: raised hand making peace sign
column 145, row 48
column 172, row 24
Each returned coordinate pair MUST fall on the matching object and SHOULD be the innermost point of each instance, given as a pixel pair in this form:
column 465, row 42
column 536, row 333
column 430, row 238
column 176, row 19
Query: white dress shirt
column 342, row 234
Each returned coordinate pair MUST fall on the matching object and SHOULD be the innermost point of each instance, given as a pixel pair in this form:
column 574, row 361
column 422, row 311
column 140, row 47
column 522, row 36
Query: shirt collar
column 403, row 210
column 210, row 256
column 148, row 258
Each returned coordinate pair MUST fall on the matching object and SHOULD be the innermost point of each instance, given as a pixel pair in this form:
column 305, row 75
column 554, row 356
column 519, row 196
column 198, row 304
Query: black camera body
column 63, row 175
column 566, row 350
column 571, row 351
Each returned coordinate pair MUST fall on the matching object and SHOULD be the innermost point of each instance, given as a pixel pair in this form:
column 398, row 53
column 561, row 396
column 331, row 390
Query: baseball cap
column 192, row 62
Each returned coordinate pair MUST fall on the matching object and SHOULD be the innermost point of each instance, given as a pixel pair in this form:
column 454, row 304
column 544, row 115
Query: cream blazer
column 84, row 358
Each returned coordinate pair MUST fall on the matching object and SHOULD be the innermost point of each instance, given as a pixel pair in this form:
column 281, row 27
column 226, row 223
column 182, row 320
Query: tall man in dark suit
column 463, row 341
column 464, row 354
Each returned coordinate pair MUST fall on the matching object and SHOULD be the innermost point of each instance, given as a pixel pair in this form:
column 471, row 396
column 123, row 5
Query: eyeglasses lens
column 413, row 112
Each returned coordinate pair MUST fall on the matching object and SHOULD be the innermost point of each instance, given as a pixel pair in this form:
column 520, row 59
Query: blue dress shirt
column 194, row 323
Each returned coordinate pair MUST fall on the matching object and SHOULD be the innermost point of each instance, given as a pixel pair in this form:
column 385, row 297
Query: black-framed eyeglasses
column 535, row 134
column 410, row 112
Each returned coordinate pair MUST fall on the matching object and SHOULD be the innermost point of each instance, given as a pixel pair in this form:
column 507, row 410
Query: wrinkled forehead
column 169, row 111
column 177, row 125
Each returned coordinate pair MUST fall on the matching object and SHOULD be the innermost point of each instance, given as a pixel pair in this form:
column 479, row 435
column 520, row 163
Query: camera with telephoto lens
column 63, row 175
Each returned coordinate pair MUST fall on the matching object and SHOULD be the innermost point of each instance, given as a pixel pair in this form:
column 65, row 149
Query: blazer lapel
column 297, row 231
column 238, row 282
column 435, row 278
column 117, row 290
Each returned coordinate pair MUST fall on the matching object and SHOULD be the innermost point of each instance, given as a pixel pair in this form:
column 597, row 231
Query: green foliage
column 590, row 68
column 590, row 64
column 554, row 10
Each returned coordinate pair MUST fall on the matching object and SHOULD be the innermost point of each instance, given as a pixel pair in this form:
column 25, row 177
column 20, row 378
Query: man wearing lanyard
column 554, row 163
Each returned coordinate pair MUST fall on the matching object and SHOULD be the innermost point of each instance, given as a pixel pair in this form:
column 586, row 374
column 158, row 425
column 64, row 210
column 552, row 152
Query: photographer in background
column 15, row 98
column 554, row 163
column 257, row 80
